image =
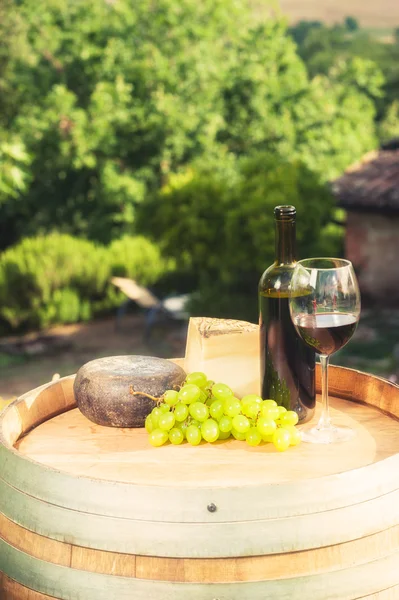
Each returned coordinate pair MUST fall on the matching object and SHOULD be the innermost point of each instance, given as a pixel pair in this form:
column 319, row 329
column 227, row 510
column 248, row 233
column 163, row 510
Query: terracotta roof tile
column 372, row 184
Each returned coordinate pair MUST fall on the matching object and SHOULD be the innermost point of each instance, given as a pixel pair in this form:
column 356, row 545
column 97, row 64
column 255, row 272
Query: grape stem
column 133, row 393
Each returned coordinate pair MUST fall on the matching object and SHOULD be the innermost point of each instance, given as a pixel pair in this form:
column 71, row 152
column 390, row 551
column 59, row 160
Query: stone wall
column 372, row 244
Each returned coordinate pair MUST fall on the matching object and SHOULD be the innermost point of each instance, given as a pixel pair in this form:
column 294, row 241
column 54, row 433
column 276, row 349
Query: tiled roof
column 372, row 184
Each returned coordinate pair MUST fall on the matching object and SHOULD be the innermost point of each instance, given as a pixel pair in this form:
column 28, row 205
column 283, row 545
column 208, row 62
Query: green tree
column 389, row 127
column 111, row 98
column 108, row 98
column 352, row 24
column 322, row 47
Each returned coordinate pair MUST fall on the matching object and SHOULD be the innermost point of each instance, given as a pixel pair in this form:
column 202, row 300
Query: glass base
column 327, row 435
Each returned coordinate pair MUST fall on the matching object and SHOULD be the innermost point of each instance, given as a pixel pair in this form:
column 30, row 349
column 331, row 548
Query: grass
column 376, row 15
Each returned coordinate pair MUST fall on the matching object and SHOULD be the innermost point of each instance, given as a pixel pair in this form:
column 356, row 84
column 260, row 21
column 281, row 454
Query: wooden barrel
column 94, row 513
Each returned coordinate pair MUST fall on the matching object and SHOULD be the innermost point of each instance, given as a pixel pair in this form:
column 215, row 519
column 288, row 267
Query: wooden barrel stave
column 67, row 583
column 202, row 540
column 253, row 568
column 349, row 552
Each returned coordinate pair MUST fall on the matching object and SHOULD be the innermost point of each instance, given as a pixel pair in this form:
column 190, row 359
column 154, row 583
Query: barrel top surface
column 69, row 442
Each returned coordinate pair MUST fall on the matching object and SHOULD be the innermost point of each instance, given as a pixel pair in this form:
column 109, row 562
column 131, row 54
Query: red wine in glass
column 326, row 332
column 325, row 309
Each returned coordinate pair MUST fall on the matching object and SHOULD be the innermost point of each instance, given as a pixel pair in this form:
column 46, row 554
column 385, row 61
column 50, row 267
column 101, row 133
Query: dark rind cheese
column 103, row 388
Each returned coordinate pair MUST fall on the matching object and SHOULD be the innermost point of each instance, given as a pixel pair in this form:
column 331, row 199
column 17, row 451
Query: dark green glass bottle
column 287, row 364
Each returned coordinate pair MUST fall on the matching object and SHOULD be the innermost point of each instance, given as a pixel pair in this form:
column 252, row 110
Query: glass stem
column 324, row 421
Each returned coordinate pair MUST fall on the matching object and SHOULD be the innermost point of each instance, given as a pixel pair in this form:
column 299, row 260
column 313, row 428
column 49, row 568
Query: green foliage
column 389, row 126
column 14, row 162
column 183, row 120
column 223, row 227
column 322, row 47
column 300, row 30
column 137, row 258
column 108, row 98
column 352, row 24
column 61, row 279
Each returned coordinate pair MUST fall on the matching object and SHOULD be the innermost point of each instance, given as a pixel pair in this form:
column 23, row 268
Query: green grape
column 155, row 414
column 251, row 409
column 210, row 430
column 238, row 435
column 224, row 435
column 166, row 421
column 210, row 401
column 295, row 434
column 176, row 436
column 158, row 437
column 270, row 412
column 249, row 398
column 281, row 410
column 253, row 437
column 189, row 393
column 289, row 418
column 266, row 426
column 221, row 391
column 241, row 424
column 171, row 397
column 197, row 378
column 164, row 408
column 196, row 423
column 182, row 426
column 232, row 407
column 281, row 439
column 225, row 424
column 269, row 403
column 203, row 396
column 209, row 385
column 181, row 412
column 216, row 409
column 193, row 435
column 199, row 411
column 268, row 438
column 149, row 425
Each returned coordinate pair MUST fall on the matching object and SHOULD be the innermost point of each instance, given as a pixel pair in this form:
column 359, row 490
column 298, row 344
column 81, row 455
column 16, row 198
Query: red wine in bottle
column 327, row 332
column 287, row 364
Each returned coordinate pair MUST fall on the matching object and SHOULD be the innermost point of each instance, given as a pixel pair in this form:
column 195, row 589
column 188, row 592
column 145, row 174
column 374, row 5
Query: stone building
column 369, row 191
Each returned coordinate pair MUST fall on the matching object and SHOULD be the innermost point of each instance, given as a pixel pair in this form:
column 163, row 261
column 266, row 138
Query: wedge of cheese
column 227, row 351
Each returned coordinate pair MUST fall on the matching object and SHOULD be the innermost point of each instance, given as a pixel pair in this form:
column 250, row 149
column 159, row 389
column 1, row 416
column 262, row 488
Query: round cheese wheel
column 107, row 390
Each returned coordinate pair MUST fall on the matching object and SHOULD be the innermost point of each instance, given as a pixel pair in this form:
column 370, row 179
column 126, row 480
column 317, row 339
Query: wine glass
column 325, row 309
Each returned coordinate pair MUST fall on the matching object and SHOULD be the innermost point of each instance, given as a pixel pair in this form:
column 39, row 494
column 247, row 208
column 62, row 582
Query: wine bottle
column 287, row 363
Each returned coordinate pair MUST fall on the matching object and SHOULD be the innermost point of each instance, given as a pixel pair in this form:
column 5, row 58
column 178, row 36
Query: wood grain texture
column 11, row 590
column 202, row 540
column 32, row 543
column 67, row 584
column 72, row 443
column 238, row 569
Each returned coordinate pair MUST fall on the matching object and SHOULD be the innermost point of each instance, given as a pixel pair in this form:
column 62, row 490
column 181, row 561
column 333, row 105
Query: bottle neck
column 285, row 242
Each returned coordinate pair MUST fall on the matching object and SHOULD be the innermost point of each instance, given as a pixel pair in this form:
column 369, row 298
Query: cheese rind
column 227, row 351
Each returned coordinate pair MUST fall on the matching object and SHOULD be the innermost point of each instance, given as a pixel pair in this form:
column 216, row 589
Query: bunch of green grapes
column 204, row 410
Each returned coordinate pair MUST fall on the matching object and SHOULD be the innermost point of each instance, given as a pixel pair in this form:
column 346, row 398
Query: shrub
column 60, row 279
column 137, row 258
column 222, row 226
